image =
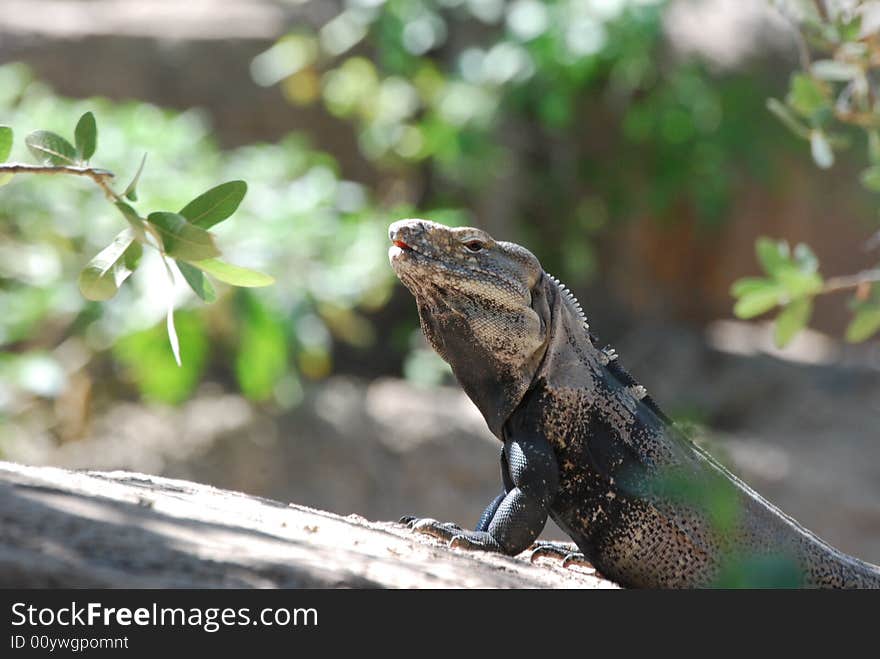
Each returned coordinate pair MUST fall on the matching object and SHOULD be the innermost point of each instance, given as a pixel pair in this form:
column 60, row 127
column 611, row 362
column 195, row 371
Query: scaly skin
column 583, row 443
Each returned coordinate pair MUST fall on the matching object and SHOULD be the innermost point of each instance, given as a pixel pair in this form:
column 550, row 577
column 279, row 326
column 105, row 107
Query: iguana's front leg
column 516, row 517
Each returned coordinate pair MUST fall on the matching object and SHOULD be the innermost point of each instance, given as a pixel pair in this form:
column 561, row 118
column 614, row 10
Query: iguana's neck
column 494, row 382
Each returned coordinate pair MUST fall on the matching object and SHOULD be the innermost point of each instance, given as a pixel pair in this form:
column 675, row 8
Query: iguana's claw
column 578, row 559
column 453, row 534
column 545, row 548
column 462, row 542
column 442, row 530
column 565, row 552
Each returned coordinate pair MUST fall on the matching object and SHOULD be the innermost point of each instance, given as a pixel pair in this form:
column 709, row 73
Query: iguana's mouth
column 402, row 254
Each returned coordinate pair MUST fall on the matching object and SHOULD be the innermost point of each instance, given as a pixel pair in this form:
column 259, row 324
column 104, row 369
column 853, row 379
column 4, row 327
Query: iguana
column 583, row 442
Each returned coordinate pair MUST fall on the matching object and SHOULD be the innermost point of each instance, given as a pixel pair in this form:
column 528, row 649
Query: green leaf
column 169, row 317
column 131, row 190
column 798, row 283
column 748, row 285
column 101, row 278
column 871, row 178
column 805, row 258
column 233, row 274
column 172, row 333
column 197, row 281
column 181, row 239
column 757, row 302
column 865, row 323
column 86, row 136
column 5, row 142
column 850, row 29
column 823, row 156
column 788, row 118
column 808, row 96
column 50, row 148
column 772, row 255
column 792, row 320
column 134, row 220
column 215, row 205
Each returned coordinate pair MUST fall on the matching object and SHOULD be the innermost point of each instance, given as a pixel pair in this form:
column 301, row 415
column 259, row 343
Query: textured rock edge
column 61, row 528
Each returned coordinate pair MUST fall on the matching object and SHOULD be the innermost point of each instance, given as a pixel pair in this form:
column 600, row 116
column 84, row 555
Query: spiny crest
column 572, row 300
column 607, row 355
column 637, row 391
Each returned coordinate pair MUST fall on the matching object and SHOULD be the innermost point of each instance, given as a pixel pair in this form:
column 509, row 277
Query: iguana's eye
column 475, row 245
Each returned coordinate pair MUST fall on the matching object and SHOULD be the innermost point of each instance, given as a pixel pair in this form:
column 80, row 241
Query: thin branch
column 99, row 176
column 822, row 10
column 851, row 281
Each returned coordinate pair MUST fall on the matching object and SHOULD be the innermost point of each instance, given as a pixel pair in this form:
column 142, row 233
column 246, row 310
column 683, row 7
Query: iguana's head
column 483, row 306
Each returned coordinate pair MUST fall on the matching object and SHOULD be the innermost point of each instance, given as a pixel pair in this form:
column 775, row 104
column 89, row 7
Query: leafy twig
column 183, row 236
column 99, row 176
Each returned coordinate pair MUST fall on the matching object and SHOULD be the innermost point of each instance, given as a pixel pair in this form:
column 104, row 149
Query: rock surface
column 61, row 528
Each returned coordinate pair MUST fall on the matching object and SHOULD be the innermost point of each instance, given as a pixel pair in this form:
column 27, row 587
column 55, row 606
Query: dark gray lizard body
column 582, row 441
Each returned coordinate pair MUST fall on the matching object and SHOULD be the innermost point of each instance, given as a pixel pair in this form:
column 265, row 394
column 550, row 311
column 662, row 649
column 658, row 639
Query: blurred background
column 625, row 142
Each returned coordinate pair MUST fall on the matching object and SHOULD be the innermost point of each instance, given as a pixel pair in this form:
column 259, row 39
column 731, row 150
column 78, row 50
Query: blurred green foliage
column 772, row 570
column 146, row 359
column 466, row 88
column 180, row 238
column 831, row 100
column 576, row 106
